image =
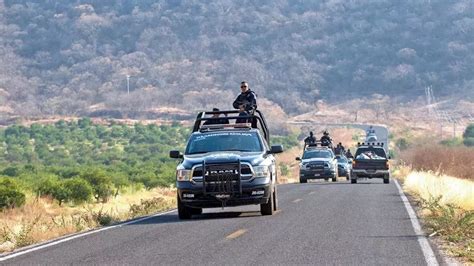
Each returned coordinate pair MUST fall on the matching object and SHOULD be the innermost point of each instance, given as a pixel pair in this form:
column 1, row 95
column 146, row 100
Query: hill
column 64, row 57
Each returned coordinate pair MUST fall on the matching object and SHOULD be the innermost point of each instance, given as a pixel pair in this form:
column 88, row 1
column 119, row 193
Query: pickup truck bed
column 371, row 168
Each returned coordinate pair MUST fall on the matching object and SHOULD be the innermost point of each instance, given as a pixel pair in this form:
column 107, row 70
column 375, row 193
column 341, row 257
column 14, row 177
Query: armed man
column 246, row 102
column 310, row 139
column 326, row 139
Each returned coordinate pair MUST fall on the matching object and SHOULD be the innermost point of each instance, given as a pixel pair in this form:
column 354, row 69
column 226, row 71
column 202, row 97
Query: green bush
column 100, row 182
column 469, row 132
column 60, row 193
column 46, row 185
column 78, row 190
column 452, row 142
column 469, row 142
column 10, row 194
column 284, row 169
column 149, row 180
column 11, row 171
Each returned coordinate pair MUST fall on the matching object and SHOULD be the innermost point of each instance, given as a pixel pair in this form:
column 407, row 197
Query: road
column 318, row 223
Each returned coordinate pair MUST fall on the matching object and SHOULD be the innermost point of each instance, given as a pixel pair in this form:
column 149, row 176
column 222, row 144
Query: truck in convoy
column 318, row 162
column 227, row 164
column 370, row 161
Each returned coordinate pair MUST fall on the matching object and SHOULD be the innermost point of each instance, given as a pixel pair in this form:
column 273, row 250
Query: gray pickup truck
column 370, row 161
column 227, row 164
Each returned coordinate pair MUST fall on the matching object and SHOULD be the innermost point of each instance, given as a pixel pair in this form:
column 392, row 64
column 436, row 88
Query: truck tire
column 386, row 179
column 268, row 208
column 303, row 180
column 334, row 179
column 184, row 213
column 348, row 177
column 353, row 181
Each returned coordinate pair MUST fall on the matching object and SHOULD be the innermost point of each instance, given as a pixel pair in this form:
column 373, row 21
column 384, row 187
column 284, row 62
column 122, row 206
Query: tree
column 10, row 194
column 101, row 183
column 78, row 190
column 468, row 136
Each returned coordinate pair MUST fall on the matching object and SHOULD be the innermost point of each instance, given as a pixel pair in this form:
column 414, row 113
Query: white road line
column 59, row 241
column 422, row 240
column 236, row 234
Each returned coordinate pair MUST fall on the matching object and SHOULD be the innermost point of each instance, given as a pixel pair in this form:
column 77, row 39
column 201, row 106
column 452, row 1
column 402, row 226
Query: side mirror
column 276, row 149
column 298, row 158
column 389, row 157
column 176, row 154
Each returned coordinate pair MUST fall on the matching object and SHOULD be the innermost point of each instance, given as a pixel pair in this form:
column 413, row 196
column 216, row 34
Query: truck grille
column 317, row 166
column 246, row 172
column 222, row 179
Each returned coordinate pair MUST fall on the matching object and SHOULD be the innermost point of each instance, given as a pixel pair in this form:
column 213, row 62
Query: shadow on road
column 343, row 183
column 173, row 217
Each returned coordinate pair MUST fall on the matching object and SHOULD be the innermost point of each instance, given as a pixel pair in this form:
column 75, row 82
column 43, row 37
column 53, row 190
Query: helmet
column 325, row 133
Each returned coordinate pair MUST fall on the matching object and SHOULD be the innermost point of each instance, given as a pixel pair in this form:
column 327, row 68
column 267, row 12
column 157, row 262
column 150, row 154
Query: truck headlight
column 183, row 175
column 261, row 171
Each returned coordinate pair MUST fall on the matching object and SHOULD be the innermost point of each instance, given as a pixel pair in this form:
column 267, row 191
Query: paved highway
column 318, row 223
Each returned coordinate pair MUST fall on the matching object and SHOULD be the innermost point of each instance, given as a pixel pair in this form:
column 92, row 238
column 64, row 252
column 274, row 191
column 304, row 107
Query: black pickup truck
column 227, row 164
column 370, row 161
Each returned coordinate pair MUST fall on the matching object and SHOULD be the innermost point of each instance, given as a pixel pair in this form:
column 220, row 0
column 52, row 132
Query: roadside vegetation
column 440, row 177
column 72, row 176
column 80, row 162
column 68, row 177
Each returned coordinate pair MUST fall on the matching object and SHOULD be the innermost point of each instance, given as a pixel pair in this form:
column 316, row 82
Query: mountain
column 62, row 57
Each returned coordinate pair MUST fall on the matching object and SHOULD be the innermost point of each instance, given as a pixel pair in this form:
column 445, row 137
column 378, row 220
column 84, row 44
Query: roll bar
column 257, row 121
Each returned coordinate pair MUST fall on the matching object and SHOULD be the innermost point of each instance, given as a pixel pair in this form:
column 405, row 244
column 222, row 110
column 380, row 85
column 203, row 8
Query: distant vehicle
column 344, row 166
column 318, row 163
column 227, row 165
column 370, row 161
column 370, row 135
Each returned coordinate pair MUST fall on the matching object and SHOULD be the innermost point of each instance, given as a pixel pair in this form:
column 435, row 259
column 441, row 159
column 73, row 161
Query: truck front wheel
column 269, row 207
column 184, row 213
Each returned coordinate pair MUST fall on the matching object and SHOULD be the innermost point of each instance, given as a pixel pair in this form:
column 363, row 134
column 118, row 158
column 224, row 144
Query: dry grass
column 42, row 219
column 450, row 190
column 453, row 161
column 447, row 208
column 287, row 161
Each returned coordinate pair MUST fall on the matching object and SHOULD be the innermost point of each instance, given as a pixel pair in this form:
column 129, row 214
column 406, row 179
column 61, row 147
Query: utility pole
column 128, row 84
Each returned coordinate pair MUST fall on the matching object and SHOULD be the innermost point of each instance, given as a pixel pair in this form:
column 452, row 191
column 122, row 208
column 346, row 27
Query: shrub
column 452, row 142
column 454, row 161
column 469, row 142
column 60, row 193
column 284, row 169
column 149, row 180
column 100, row 182
column 11, row 171
column 78, row 190
column 469, row 132
column 46, row 185
column 148, row 206
column 10, row 194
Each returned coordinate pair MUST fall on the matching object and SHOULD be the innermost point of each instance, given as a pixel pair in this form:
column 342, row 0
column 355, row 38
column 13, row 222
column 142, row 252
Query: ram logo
column 220, row 172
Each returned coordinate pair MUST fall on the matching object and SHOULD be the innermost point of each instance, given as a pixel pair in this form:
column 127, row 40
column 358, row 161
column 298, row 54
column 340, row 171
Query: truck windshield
column 224, row 141
column 341, row 159
column 317, row 154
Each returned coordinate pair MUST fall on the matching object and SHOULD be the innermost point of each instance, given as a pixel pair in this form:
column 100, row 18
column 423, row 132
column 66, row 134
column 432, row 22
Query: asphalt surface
column 318, row 223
